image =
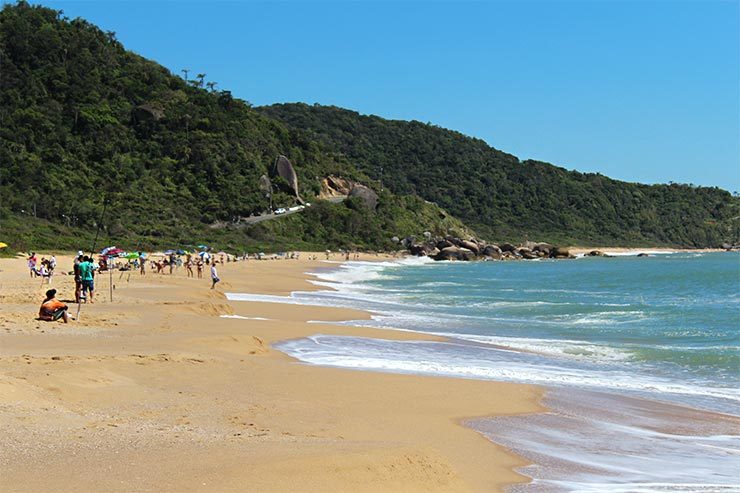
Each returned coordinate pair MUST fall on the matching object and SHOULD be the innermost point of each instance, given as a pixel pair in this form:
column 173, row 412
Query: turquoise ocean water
column 597, row 332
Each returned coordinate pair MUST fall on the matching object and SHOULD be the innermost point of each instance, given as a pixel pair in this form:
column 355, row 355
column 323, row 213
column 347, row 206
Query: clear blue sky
column 645, row 91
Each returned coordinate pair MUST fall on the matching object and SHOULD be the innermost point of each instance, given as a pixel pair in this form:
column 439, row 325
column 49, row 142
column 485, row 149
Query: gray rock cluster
column 453, row 248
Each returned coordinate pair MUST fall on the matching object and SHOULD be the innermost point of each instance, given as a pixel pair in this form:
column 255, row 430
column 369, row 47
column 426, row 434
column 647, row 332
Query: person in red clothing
column 52, row 309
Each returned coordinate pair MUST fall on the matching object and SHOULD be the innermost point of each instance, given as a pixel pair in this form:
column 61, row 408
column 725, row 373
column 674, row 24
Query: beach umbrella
column 113, row 252
column 3, row 245
column 202, row 246
column 181, row 252
column 131, row 256
column 105, row 250
column 168, row 252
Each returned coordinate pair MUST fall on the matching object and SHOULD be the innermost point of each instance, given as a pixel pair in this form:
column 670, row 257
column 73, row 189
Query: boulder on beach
column 527, row 253
column 545, row 248
column 418, row 250
column 455, row 253
column 492, row 251
column 470, row 245
column 561, row 252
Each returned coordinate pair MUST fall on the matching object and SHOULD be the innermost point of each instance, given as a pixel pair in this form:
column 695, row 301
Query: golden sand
column 154, row 391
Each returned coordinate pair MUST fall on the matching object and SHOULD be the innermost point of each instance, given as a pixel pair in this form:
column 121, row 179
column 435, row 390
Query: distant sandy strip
column 156, row 391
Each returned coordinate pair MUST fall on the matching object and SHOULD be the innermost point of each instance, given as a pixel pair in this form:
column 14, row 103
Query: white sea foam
column 554, row 347
column 244, row 318
column 594, row 442
column 486, row 363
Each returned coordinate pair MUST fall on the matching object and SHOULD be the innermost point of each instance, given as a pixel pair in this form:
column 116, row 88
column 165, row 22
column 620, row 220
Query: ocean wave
column 552, row 347
column 453, row 360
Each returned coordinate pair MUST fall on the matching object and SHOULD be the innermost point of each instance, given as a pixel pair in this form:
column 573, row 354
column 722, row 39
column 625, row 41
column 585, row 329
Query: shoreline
column 680, row 424
column 138, row 384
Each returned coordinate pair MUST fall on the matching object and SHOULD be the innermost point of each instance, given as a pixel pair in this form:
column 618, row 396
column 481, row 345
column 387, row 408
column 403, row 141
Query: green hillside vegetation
column 504, row 198
column 92, row 134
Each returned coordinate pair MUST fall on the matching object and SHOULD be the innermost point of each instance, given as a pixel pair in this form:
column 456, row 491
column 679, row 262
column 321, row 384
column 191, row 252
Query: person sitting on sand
column 52, row 309
column 44, row 273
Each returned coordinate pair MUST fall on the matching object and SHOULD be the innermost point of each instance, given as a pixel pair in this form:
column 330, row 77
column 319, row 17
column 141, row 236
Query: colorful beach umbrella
column 3, row 245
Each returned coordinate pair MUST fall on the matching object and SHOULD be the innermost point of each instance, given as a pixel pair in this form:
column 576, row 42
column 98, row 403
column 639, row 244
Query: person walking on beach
column 86, row 269
column 214, row 274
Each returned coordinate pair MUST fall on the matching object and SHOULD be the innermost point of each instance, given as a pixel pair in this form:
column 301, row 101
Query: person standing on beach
column 86, row 277
column 200, row 268
column 78, row 280
column 189, row 265
column 32, row 264
column 214, row 274
column 142, row 264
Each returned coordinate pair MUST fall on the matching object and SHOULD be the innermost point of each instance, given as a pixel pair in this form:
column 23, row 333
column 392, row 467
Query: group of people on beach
column 84, row 270
column 45, row 270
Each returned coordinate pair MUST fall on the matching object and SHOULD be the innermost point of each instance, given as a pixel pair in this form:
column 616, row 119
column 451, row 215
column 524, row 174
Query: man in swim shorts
column 52, row 309
column 86, row 269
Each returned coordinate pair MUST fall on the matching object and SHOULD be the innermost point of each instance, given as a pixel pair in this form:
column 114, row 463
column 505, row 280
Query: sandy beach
column 156, row 391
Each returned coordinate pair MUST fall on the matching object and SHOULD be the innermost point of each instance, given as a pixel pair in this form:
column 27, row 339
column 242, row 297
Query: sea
column 639, row 356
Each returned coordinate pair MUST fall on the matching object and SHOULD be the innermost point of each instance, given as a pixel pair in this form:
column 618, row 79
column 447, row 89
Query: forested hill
column 505, row 198
column 97, row 139
column 94, row 135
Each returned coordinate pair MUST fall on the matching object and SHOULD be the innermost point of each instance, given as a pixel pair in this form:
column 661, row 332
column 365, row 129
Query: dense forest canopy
column 95, row 137
column 505, row 198
column 85, row 123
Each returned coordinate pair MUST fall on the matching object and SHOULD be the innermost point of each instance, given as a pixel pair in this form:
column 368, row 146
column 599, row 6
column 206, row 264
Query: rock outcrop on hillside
column 284, row 169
